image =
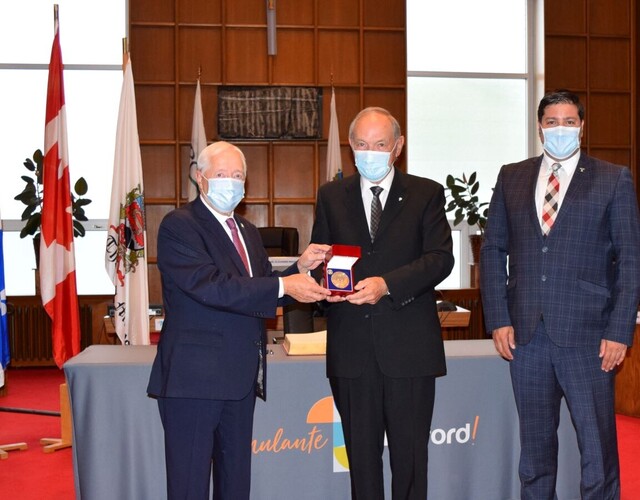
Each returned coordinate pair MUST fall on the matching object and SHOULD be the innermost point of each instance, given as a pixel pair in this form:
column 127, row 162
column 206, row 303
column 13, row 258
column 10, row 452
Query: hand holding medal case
column 338, row 269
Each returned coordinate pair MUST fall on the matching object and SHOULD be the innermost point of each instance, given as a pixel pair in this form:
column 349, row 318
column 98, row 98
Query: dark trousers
column 197, row 431
column 372, row 404
column 542, row 373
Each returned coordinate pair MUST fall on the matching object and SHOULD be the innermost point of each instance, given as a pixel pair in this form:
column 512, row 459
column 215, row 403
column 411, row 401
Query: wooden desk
column 455, row 319
column 628, row 381
column 155, row 325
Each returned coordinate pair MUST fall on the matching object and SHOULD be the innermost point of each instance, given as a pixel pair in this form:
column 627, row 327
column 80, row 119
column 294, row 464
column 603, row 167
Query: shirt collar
column 569, row 165
column 366, row 185
column 221, row 217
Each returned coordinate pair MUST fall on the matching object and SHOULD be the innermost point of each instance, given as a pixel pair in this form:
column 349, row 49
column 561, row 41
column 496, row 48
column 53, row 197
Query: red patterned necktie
column 236, row 241
column 550, row 207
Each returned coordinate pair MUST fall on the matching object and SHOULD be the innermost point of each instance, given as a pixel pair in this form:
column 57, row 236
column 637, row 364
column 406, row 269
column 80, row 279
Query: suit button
column 367, row 316
column 545, row 249
column 544, row 278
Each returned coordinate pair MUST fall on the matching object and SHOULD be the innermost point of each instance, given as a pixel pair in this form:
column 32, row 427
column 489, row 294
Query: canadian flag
column 57, row 258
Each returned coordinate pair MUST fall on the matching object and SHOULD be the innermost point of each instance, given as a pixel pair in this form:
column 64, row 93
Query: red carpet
column 34, row 475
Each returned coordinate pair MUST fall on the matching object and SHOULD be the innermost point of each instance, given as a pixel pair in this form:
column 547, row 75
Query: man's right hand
column 504, row 340
column 304, row 288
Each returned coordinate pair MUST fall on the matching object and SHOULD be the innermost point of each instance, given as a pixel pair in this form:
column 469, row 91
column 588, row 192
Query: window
column 91, row 35
column 471, row 94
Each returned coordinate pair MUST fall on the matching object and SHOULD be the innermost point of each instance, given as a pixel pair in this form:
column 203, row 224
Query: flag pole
column 125, row 53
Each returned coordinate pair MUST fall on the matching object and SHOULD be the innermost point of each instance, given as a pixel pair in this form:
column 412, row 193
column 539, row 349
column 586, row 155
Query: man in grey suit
column 384, row 347
column 560, row 281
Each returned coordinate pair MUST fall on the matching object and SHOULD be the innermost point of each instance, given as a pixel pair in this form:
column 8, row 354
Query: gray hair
column 208, row 154
column 373, row 109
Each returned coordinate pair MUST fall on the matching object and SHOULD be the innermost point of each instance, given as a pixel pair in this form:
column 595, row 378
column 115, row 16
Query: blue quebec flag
column 4, row 334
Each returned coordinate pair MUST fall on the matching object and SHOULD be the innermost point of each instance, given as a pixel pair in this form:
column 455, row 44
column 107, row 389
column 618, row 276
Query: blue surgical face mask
column 225, row 193
column 561, row 142
column 373, row 165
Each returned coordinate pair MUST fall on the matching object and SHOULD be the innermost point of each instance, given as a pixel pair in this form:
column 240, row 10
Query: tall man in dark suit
column 384, row 345
column 563, row 311
column 217, row 287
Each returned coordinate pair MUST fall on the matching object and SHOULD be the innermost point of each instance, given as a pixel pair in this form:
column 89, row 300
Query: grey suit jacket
column 584, row 277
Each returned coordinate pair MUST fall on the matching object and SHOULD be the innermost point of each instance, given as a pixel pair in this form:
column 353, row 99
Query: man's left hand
column 612, row 354
column 368, row 291
column 312, row 257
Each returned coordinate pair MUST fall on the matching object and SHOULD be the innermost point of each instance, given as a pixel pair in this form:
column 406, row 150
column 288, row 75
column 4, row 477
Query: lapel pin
column 581, row 169
column 400, row 199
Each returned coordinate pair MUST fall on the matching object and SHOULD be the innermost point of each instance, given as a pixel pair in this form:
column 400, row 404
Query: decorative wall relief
column 269, row 112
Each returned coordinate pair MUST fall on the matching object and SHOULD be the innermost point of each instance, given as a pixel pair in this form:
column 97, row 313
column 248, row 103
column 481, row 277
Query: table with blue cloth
column 298, row 448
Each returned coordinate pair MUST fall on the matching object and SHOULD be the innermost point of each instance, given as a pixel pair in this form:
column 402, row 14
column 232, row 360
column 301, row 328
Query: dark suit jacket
column 584, row 277
column 214, row 312
column 413, row 253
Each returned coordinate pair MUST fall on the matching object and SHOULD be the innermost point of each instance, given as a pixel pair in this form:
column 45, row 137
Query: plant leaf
column 81, row 187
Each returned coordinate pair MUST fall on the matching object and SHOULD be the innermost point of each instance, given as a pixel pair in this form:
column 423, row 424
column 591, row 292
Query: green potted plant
column 463, row 199
column 31, row 196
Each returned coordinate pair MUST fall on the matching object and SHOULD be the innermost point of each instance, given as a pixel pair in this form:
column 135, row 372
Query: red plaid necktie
column 236, row 241
column 550, row 207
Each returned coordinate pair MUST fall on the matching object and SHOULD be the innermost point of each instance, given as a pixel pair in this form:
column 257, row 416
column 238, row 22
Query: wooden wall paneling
column 384, row 59
column 565, row 62
column 156, row 110
column 152, row 53
column 300, row 216
column 320, row 42
column 610, row 64
column 609, row 119
column 338, row 56
column 293, row 170
column 617, row 156
column 245, row 56
column 184, row 166
column 295, row 63
column 338, row 12
column 191, row 12
column 257, row 213
column 154, row 215
column 348, row 167
column 155, row 284
column 568, row 16
column 598, row 39
column 295, row 12
column 157, row 11
column 384, row 13
column 245, row 12
column 610, row 17
column 199, row 47
column 157, row 161
column 348, row 105
column 258, row 170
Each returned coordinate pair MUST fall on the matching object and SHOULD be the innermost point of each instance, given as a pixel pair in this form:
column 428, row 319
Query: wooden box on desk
column 455, row 319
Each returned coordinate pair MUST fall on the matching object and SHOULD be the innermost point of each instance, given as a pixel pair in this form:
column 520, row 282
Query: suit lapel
column 395, row 201
column 354, row 209
column 219, row 235
column 576, row 187
column 531, row 184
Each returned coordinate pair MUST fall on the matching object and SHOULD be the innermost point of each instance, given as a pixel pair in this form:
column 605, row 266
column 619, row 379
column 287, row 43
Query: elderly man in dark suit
column 217, row 287
column 384, row 345
column 560, row 280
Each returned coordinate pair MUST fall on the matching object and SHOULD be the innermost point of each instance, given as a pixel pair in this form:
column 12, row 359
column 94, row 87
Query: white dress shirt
column 564, row 174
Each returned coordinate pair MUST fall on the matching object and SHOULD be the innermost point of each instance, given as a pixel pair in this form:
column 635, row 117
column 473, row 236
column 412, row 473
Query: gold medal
column 339, row 279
